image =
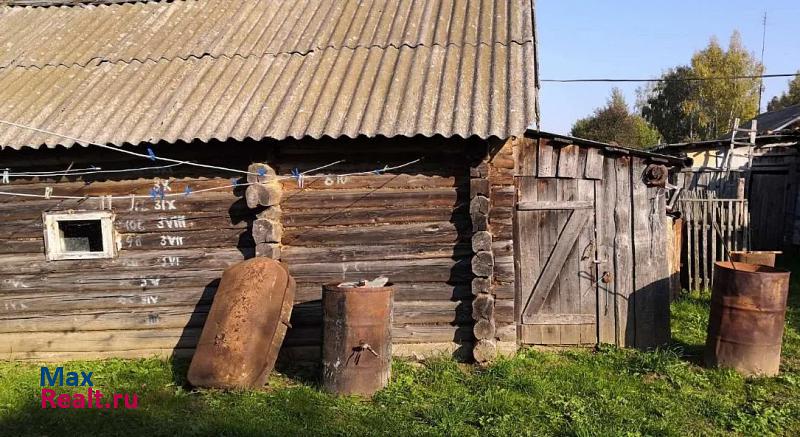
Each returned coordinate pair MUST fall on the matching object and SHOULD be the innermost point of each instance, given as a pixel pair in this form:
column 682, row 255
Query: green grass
column 577, row 392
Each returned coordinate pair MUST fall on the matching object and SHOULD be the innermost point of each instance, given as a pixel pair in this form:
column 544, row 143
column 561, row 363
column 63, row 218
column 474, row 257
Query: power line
column 685, row 79
column 763, row 48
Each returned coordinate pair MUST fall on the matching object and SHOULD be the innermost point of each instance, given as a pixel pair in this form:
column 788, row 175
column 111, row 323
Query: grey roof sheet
column 203, row 69
column 80, row 35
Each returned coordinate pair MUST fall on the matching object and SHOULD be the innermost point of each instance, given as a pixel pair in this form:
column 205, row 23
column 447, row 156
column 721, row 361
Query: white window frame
column 54, row 250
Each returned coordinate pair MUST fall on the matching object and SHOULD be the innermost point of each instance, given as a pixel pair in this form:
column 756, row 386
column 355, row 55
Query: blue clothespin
column 151, row 154
column 187, row 191
column 262, row 171
column 235, row 182
column 154, row 193
column 381, row 170
column 298, row 176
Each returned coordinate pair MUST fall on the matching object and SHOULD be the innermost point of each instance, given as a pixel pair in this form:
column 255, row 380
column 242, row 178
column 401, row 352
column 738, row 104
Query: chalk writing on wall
column 174, row 222
column 169, row 240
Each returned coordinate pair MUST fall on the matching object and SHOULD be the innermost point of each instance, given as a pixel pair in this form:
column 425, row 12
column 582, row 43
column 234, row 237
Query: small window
column 79, row 235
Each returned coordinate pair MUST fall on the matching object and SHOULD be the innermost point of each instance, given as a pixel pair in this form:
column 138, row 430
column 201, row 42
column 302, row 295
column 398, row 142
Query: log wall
column 413, row 226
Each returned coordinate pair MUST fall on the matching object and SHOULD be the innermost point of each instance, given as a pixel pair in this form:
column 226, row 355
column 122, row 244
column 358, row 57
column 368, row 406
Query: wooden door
column 767, row 210
column 557, row 296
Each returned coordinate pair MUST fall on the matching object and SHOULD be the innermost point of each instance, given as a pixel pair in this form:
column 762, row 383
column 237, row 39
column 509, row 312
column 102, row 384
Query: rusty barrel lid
column 751, row 269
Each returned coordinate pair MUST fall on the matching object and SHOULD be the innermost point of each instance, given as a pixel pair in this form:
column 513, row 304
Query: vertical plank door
column 553, row 307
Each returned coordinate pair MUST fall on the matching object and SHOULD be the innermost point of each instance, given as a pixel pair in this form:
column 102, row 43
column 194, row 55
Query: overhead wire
column 685, row 79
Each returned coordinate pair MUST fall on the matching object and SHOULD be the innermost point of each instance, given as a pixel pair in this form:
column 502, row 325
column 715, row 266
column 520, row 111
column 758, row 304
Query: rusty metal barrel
column 760, row 257
column 748, row 307
column 356, row 339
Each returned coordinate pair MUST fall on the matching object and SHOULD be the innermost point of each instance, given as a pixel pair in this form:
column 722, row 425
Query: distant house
column 766, row 174
column 149, row 145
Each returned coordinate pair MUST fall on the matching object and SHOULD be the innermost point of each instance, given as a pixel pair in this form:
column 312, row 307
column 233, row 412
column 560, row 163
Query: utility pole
column 763, row 46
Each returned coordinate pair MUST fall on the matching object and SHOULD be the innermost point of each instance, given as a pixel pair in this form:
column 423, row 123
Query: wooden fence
column 713, row 227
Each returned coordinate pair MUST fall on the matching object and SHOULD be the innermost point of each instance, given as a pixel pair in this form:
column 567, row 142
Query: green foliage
column 615, row 124
column 607, row 391
column 664, row 106
column 718, row 102
column 685, row 110
column 789, row 98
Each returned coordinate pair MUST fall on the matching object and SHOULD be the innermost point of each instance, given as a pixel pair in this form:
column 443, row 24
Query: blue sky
column 641, row 39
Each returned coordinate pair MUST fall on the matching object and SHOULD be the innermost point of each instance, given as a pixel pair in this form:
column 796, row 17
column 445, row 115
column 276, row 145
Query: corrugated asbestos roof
column 219, row 69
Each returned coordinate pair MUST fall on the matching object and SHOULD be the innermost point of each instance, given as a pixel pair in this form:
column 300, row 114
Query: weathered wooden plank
column 568, row 161
column 705, row 234
column 356, row 216
column 89, row 341
column 443, row 232
column 565, row 319
column 696, row 228
column 546, row 160
column 154, row 317
column 526, row 247
column 550, row 223
column 550, row 272
column 623, row 253
column 411, row 250
column 568, row 277
column 527, row 153
column 22, row 302
column 605, row 204
column 555, row 205
column 430, row 270
column 689, row 223
column 594, row 164
column 586, row 256
column 110, row 280
column 58, row 357
column 375, row 198
column 650, row 274
column 714, row 237
column 210, row 258
column 14, row 344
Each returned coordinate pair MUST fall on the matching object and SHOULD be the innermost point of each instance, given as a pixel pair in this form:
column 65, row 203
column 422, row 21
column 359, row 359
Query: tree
column 615, row 123
column 789, row 98
column 663, row 105
column 719, row 98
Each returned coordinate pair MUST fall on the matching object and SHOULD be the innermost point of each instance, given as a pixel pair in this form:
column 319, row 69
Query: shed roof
column 611, row 148
column 772, row 121
column 218, row 69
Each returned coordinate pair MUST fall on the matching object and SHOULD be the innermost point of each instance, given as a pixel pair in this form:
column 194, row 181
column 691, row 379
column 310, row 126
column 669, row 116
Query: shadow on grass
column 693, row 353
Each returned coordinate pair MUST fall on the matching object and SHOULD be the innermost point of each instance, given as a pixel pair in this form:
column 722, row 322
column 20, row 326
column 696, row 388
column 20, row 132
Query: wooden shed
column 591, row 243
column 348, row 139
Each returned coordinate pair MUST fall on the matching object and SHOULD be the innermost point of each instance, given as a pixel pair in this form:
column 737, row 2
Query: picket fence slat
column 713, row 228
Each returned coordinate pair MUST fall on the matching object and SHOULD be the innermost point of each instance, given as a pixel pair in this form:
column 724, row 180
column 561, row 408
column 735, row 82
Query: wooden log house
column 235, row 110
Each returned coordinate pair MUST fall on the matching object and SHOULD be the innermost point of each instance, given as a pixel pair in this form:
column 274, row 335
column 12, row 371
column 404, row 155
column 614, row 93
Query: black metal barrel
column 748, row 307
column 357, row 339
